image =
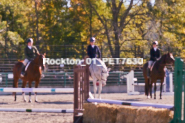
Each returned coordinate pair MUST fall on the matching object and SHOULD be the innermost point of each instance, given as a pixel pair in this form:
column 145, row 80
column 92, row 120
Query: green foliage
column 55, row 22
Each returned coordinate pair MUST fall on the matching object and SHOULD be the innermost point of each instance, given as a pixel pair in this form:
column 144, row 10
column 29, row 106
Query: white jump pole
column 131, row 103
column 37, row 110
column 66, row 90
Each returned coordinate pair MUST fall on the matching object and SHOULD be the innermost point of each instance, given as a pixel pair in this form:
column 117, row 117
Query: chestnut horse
column 33, row 73
column 156, row 73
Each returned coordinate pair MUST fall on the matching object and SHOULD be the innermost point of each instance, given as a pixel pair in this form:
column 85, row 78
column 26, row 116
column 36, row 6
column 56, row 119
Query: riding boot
column 23, row 70
column 148, row 72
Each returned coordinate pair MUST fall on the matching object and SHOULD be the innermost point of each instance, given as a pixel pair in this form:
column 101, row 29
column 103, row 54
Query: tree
column 120, row 19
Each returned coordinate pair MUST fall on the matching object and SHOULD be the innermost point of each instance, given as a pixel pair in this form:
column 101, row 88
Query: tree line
column 118, row 25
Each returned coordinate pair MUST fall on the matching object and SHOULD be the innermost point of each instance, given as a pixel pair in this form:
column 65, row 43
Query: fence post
column 178, row 90
column 81, row 91
column 86, row 83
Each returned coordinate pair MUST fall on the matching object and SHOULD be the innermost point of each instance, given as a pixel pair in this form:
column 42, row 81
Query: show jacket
column 92, row 52
column 30, row 53
column 154, row 54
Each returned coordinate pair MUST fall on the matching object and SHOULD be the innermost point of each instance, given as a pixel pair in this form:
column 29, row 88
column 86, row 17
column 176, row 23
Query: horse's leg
column 161, row 87
column 155, row 91
column 94, row 85
column 100, row 89
column 151, row 87
column 145, row 88
column 151, row 90
column 30, row 92
column 148, row 88
column 15, row 85
column 23, row 93
column 36, row 86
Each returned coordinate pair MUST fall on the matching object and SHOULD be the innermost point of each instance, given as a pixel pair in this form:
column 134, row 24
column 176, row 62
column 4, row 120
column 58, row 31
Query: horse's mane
column 161, row 58
column 160, row 61
column 36, row 59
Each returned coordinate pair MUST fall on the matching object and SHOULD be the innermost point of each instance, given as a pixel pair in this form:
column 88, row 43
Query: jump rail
column 171, row 107
column 66, row 90
column 37, row 110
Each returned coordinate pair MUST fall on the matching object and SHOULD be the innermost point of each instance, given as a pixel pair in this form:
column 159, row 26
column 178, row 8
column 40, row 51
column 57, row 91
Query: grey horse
column 99, row 72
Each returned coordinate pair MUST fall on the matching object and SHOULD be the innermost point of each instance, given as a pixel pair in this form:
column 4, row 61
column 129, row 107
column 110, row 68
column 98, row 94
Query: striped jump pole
column 171, row 107
column 37, row 110
column 66, row 90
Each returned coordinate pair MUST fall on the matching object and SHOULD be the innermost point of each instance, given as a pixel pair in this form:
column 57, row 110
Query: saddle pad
column 27, row 65
column 152, row 66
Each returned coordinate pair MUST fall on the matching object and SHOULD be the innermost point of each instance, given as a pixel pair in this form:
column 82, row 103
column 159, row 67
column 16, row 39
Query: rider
column 93, row 50
column 154, row 55
column 30, row 52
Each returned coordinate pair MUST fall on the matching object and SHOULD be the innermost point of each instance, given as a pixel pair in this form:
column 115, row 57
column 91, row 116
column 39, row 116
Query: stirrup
column 22, row 74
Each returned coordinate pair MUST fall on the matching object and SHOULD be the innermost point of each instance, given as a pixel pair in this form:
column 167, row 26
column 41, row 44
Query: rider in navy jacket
column 154, row 55
column 93, row 50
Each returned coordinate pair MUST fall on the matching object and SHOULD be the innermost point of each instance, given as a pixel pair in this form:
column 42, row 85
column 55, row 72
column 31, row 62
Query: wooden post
column 81, row 91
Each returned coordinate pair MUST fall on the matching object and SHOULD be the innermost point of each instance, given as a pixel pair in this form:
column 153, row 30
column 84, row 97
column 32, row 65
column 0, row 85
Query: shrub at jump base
column 106, row 113
column 103, row 113
column 126, row 114
column 89, row 115
column 153, row 115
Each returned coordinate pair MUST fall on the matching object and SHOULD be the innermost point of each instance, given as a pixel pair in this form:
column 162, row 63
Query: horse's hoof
column 25, row 100
column 29, row 101
column 148, row 97
column 154, row 97
column 36, row 100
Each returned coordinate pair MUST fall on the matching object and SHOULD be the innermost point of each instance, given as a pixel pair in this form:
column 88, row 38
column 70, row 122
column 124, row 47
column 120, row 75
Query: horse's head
column 105, row 74
column 39, row 60
column 169, row 59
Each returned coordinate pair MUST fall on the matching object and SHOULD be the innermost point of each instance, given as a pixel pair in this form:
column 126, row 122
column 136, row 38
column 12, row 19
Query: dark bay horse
column 33, row 73
column 157, row 73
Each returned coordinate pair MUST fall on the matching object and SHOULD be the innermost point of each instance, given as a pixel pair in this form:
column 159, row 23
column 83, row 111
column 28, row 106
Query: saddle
column 27, row 65
column 152, row 66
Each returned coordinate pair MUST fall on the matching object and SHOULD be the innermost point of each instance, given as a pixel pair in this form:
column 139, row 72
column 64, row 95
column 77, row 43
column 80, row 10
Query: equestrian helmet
column 155, row 42
column 29, row 40
column 92, row 39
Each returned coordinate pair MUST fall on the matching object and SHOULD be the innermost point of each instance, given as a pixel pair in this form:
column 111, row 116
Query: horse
column 33, row 73
column 99, row 72
column 156, row 73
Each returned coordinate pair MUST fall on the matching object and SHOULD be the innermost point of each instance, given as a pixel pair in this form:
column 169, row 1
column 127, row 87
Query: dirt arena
column 59, row 101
